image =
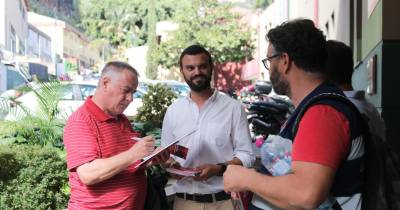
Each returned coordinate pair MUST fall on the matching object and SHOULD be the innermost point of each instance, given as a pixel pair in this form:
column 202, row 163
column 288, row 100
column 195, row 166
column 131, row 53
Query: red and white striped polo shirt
column 92, row 134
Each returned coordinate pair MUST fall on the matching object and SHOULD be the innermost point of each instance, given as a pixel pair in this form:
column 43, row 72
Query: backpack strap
column 326, row 96
column 316, row 100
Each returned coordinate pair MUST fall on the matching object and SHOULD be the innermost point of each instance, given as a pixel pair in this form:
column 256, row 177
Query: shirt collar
column 96, row 111
column 211, row 98
column 356, row 94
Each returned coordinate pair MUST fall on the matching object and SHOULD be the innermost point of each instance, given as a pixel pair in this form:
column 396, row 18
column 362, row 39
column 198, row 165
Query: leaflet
column 177, row 150
column 187, row 172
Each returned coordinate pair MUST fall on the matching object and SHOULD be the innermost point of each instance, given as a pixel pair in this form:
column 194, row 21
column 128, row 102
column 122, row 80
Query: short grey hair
column 114, row 68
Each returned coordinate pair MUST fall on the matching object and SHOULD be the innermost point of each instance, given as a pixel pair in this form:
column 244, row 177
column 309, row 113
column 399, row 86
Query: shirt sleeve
column 323, row 137
column 80, row 142
column 243, row 149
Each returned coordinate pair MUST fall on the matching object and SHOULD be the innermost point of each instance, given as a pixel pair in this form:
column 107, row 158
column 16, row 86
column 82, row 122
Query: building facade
column 39, row 45
column 370, row 28
column 13, row 27
column 69, row 45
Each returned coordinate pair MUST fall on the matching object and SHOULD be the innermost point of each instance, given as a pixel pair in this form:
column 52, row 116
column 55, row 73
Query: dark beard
column 200, row 85
column 279, row 85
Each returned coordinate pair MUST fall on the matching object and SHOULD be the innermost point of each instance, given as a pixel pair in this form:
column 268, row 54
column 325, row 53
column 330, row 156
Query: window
column 138, row 94
column 66, row 92
column 13, row 40
column 20, row 5
column 14, row 79
column 23, row 14
column 21, row 47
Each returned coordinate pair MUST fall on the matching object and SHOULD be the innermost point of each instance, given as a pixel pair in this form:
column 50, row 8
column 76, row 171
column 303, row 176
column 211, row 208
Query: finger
column 158, row 149
column 149, row 138
column 197, row 178
column 178, row 177
column 165, row 156
column 202, row 177
column 235, row 195
column 156, row 161
column 176, row 164
column 149, row 164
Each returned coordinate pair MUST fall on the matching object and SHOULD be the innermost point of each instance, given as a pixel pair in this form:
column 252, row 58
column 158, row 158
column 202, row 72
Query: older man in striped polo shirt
column 101, row 156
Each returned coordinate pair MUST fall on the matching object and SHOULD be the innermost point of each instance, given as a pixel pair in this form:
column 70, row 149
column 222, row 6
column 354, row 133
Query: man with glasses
column 327, row 148
column 101, row 156
column 267, row 60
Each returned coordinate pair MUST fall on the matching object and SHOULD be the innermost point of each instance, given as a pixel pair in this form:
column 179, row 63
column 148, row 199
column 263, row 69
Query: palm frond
column 48, row 97
column 13, row 108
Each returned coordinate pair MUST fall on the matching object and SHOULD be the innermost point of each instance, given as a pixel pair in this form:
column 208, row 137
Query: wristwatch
column 223, row 168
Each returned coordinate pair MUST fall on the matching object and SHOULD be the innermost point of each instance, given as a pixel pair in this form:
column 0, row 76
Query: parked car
column 11, row 77
column 180, row 88
column 144, row 83
column 72, row 95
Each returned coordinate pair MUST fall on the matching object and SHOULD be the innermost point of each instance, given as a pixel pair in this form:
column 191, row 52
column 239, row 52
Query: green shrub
column 32, row 177
column 42, row 127
column 32, row 130
column 155, row 104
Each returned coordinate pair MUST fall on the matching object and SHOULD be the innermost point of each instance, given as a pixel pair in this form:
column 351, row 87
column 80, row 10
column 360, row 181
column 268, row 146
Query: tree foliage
column 212, row 25
column 261, row 4
column 67, row 14
column 155, row 104
column 123, row 22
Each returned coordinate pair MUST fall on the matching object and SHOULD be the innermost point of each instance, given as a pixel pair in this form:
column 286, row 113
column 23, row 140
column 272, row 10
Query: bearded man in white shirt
column 221, row 135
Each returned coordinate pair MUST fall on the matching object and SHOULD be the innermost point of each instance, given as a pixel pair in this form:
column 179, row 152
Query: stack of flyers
column 186, row 172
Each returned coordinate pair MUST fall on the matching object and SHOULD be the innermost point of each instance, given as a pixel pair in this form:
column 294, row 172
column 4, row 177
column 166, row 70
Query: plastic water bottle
column 276, row 155
column 259, row 141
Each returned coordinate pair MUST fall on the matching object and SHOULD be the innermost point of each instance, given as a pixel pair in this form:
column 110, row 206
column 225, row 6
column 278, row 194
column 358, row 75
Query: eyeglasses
column 267, row 60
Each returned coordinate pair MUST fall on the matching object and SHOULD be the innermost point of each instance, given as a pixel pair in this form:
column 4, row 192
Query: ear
column 286, row 63
column 105, row 82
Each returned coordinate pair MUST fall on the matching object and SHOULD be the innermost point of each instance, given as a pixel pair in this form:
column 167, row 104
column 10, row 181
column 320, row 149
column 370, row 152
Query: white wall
column 15, row 12
column 137, row 59
column 334, row 19
column 163, row 27
column 272, row 16
column 52, row 28
column 302, row 9
column 2, row 24
column 333, row 16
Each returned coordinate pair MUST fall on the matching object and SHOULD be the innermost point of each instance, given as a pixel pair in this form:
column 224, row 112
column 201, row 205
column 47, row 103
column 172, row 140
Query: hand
column 234, row 178
column 171, row 163
column 142, row 147
column 207, row 171
column 235, row 195
column 160, row 158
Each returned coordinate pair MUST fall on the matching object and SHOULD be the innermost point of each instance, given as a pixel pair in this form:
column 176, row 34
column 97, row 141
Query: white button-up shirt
column 222, row 133
column 375, row 121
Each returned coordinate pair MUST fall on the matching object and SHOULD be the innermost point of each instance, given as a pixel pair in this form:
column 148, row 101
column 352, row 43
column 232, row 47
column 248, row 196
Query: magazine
column 177, row 150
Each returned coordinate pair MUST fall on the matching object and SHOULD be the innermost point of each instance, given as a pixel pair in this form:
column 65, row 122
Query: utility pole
column 151, row 67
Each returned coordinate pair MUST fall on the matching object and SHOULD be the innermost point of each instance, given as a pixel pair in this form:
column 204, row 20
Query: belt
column 205, row 198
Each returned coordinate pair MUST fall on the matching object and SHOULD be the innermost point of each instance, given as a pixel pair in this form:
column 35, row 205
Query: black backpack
column 381, row 185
